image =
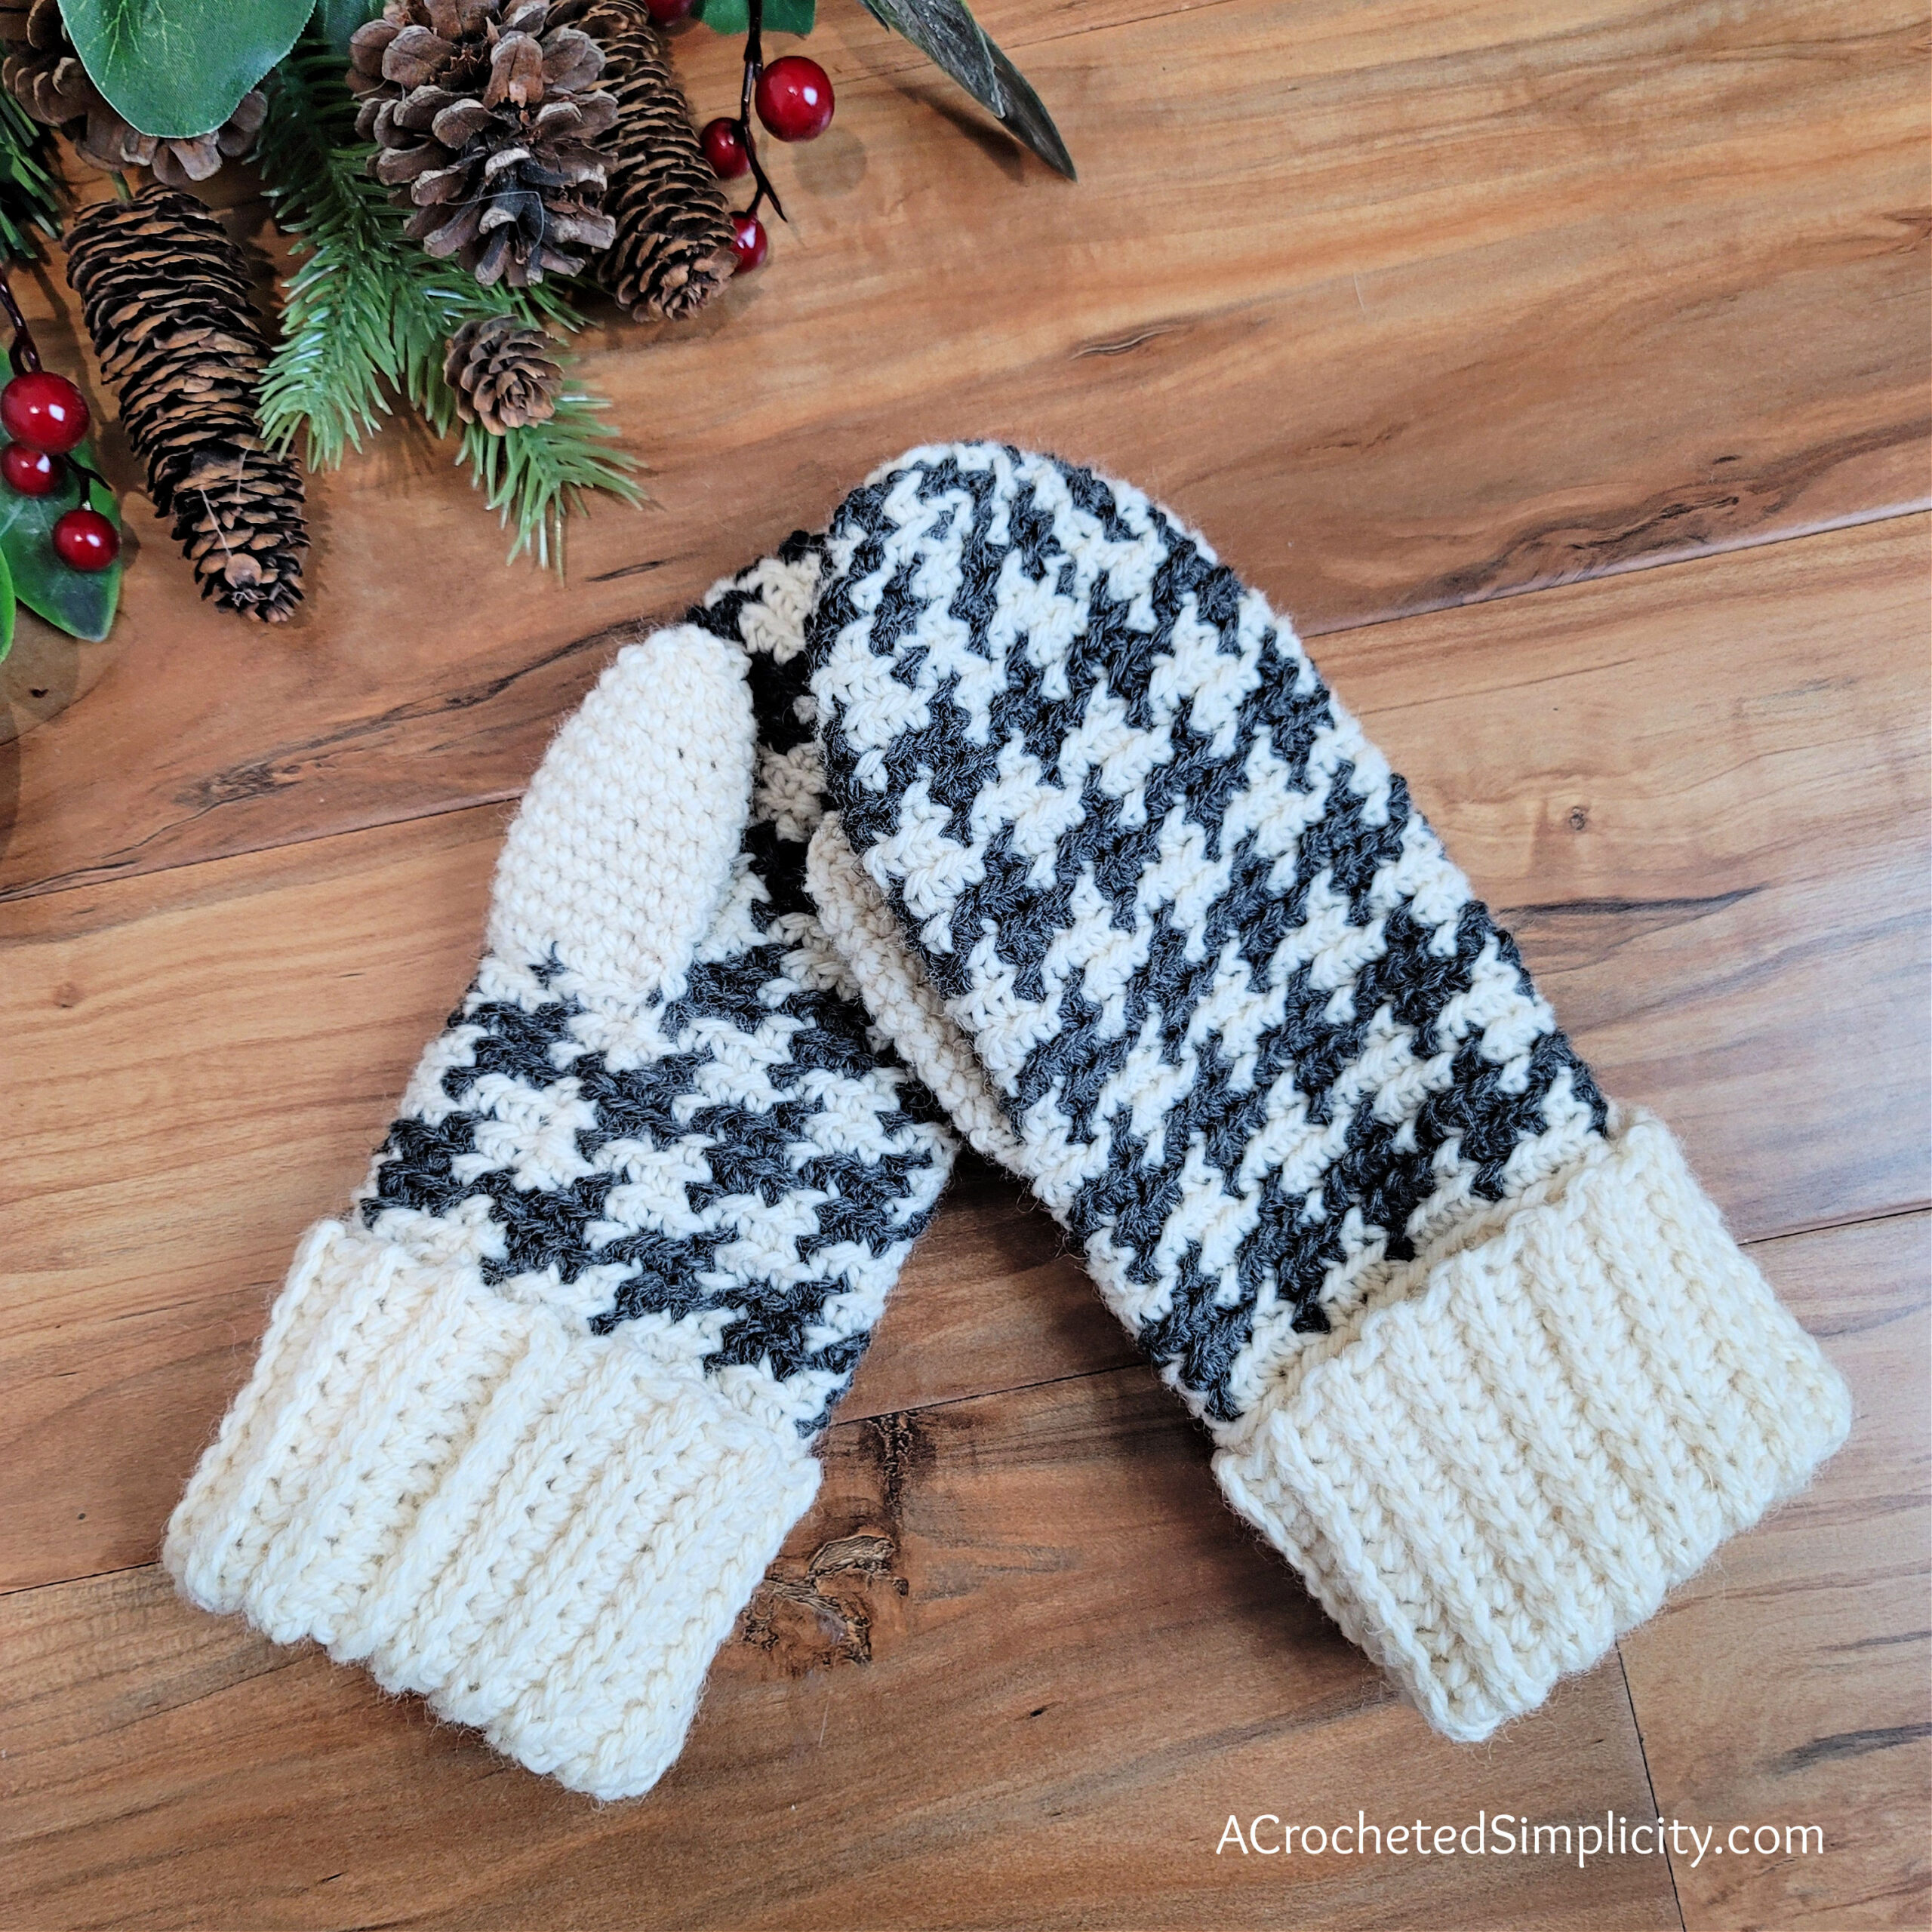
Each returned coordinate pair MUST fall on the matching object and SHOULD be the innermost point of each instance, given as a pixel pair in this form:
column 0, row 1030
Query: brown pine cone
column 672, row 252
column 486, row 120
column 43, row 71
column 502, row 374
column 237, row 517
column 165, row 296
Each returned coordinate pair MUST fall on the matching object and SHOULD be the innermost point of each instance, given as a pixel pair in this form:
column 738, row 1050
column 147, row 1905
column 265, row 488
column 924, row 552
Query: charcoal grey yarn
column 1067, row 696
column 766, row 1079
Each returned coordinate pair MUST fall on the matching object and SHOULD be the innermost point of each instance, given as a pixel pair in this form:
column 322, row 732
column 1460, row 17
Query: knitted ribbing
column 1509, row 1463
column 547, row 1534
column 525, row 1432
column 1133, row 894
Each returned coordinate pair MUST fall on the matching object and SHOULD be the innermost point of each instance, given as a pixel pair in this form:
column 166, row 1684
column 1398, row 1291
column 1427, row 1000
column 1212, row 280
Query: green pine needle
column 367, row 314
column 26, row 184
column 535, row 477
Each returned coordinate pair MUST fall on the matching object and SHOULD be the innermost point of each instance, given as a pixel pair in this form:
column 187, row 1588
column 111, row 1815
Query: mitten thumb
column 616, row 864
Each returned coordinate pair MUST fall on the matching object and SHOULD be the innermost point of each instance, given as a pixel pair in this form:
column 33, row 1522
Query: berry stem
column 89, row 478
column 754, row 66
column 21, row 353
column 25, row 356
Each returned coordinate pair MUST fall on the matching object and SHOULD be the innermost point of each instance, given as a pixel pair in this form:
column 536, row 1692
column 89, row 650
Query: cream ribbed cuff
column 546, row 1534
column 1486, row 1483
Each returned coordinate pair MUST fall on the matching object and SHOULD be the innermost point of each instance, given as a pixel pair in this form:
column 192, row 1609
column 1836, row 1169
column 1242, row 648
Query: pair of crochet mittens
column 1114, row 874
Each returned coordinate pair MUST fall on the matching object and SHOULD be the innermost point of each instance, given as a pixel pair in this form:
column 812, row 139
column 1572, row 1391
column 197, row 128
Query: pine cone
column 43, row 71
column 486, row 120
column 165, row 296
column 672, row 252
column 502, row 374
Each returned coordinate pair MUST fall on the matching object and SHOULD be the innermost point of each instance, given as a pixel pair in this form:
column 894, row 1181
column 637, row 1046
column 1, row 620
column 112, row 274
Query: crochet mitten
column 1155, row 922
column 528, row 1425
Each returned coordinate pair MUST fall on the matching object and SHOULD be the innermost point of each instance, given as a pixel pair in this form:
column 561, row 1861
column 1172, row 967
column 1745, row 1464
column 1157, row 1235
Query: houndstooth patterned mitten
column 1155, row 922
column 529, row 1424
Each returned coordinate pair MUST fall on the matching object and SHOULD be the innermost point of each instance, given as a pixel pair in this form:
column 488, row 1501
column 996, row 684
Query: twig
column 754, row 66
column 21, row 352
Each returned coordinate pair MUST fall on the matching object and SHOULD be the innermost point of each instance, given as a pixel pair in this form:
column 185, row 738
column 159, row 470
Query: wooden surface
column 1414, row 308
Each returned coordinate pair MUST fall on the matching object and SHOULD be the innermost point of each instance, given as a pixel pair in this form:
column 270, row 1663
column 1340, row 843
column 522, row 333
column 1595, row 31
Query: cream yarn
column 1134, row 897
column 527, row 1428
column 1132, row 893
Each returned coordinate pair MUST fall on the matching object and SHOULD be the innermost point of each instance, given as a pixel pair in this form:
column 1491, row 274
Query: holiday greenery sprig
column 60, row 534
column 368, row 317
column 453, row 177
column 27, row 204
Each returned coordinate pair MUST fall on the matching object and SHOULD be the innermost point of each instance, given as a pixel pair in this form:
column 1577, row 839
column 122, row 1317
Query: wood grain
column 1788, row 1684
column 1055, row 1669
column 1412, row 307
column 1699, row 797
column 1406, row 305
column 205, row 1056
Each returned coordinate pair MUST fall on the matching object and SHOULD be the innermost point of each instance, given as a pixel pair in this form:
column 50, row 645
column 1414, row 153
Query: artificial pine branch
column 26, row 183
column 535, row 477
column 331, row 377
column 367, row 316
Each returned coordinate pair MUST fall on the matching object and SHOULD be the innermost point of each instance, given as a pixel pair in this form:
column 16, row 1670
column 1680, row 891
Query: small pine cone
column 672, row 252
column 165, row 296
column 237, row 517
column 502, row 374
column 486, row 118
column 43, row 71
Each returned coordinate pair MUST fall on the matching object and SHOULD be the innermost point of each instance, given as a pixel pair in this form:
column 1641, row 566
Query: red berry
column 749, row 242
column 32, row 473
column 44, row 411
column 794, row 99
column 669, row 13
column 85, row 540
column 724, row 148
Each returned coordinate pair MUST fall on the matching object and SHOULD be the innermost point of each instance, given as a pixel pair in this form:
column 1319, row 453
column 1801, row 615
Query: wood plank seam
column 1449, row 599
column 257, row 776
column 1650, row 1782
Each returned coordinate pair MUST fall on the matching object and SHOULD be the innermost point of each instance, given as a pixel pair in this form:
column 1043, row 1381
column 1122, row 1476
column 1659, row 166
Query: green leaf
column 945, row 32
column 734, row 15
column 80, row 602
column 338, row 19
column 7, row 607
column 177, row 68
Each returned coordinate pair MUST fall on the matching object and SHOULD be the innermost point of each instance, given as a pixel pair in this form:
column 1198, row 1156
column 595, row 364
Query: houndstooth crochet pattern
column 732, row 1164
column 1155, row 927
column 1259, row 1040
column 523, row 1434
column 1144, row 906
